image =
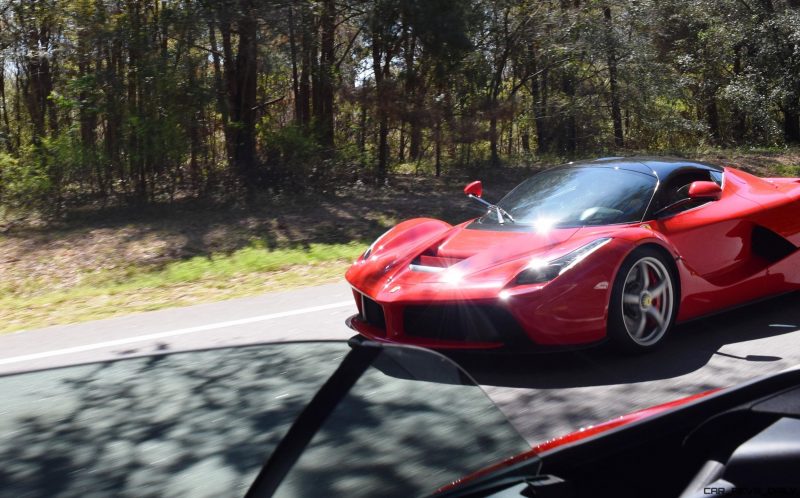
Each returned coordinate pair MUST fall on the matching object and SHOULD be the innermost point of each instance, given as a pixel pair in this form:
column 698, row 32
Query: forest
column 141, row 101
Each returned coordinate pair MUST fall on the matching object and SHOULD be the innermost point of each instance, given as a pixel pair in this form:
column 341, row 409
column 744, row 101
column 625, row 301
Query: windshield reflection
column 579, row 196
column 203, row 424
column 189, row 424
column 393, row 437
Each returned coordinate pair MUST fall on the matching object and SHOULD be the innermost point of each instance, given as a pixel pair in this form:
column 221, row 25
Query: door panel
column 710, row 243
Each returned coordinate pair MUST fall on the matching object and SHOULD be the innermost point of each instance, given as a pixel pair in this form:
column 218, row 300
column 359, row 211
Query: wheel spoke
column 640, row 328
column 655, row 315
column 630, row 298
column 658, row 288
column 643, row 275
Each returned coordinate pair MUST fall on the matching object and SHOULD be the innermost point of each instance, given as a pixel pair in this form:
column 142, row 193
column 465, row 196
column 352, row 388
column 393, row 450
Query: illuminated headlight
column 544, row 271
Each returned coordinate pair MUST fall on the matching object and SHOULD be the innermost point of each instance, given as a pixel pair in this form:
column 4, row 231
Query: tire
column 644, row 301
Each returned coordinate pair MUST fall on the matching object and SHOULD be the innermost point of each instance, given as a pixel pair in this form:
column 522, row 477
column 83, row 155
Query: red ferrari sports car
column 615, row 249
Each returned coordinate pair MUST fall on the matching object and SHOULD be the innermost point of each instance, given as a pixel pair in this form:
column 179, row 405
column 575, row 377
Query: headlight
column 544, row 271
column 368, row 252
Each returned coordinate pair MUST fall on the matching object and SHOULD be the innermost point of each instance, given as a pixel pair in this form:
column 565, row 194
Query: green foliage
column 290, row 144
column 150, row 100
column 293, row 158
column 24, row 183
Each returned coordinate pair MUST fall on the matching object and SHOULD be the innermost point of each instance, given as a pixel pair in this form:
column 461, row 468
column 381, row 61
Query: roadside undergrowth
column 248, row 271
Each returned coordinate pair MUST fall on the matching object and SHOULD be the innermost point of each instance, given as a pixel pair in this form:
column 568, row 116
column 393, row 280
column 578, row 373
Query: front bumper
column 357, row 323
column 570, row 310
column 367, row 331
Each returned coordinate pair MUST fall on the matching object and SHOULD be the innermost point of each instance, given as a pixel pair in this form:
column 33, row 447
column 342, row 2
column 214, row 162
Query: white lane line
column 172, row 333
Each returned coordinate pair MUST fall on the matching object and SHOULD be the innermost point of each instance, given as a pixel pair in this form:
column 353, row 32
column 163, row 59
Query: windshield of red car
column 579, row 196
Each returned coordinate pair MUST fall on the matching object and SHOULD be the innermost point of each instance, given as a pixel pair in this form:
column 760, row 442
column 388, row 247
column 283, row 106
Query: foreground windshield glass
column 579, row 196
column 412, row 423
column 190, row 424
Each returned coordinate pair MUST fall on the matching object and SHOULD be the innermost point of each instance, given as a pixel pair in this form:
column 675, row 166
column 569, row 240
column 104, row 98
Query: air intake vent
column 431, row 263
column 465, row 322
column 372, row 313
column 769, row 245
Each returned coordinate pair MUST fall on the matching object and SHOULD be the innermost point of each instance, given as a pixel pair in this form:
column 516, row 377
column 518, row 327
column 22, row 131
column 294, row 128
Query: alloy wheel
column 647, row 301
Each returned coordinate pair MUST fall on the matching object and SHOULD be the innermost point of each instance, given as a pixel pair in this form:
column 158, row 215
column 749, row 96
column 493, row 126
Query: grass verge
column 244, row 272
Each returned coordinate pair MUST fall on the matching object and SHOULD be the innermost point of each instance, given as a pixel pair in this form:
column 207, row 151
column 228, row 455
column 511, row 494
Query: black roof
column 661, row 167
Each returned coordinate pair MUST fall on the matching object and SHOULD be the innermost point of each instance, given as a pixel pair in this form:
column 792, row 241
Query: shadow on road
column 188, row 424
column 689, row 348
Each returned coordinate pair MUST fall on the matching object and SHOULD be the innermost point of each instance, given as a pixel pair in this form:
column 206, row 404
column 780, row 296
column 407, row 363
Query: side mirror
column 474, row 189
column 705, row 190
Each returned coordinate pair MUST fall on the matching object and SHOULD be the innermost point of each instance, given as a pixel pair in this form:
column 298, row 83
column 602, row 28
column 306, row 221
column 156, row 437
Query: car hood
column 461, row 252
column 488, row 247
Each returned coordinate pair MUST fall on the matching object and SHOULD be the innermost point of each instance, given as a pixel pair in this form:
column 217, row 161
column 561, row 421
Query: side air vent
column 769, row 245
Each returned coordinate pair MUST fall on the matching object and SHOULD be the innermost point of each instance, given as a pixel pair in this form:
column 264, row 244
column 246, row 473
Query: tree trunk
column 194, row 122
column 18, row 109
column 616, row 113
column 438, row 152
column 362, row 128
column 35, row 88
column 382, row 112
column 510, row 143
column 4, row 104
column 87, row 117
column 243, row 101
column 791, row 127
column 295, row 78
column 136, row 158
column 412, row 98
column 307, row 51
column 739, row 115
column 325, row 113
column 401, row 149
column 712, row 118
column 569, row 139
column 219, row 86
column 495, row 156
column 113, row 89
column 539, row 97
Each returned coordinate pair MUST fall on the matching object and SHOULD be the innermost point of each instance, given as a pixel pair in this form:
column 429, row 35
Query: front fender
column 645, row 235
column 400, row 243
column 409, row 233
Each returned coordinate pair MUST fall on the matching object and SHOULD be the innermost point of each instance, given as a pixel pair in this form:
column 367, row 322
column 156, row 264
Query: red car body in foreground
column 617, row 249
column 575, row 437
column 738, row 441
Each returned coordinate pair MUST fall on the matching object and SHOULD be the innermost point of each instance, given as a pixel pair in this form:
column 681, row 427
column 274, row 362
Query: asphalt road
column 543, row 395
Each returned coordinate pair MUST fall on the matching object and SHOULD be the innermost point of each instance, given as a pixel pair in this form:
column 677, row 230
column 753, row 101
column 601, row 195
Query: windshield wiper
column 502, row 214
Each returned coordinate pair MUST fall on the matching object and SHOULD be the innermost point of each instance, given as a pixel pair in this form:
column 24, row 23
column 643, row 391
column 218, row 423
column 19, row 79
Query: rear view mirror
column 474, row 189
column 705, row 190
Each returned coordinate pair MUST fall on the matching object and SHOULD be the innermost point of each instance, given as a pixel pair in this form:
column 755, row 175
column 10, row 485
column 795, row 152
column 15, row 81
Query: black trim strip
column 311, row 419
